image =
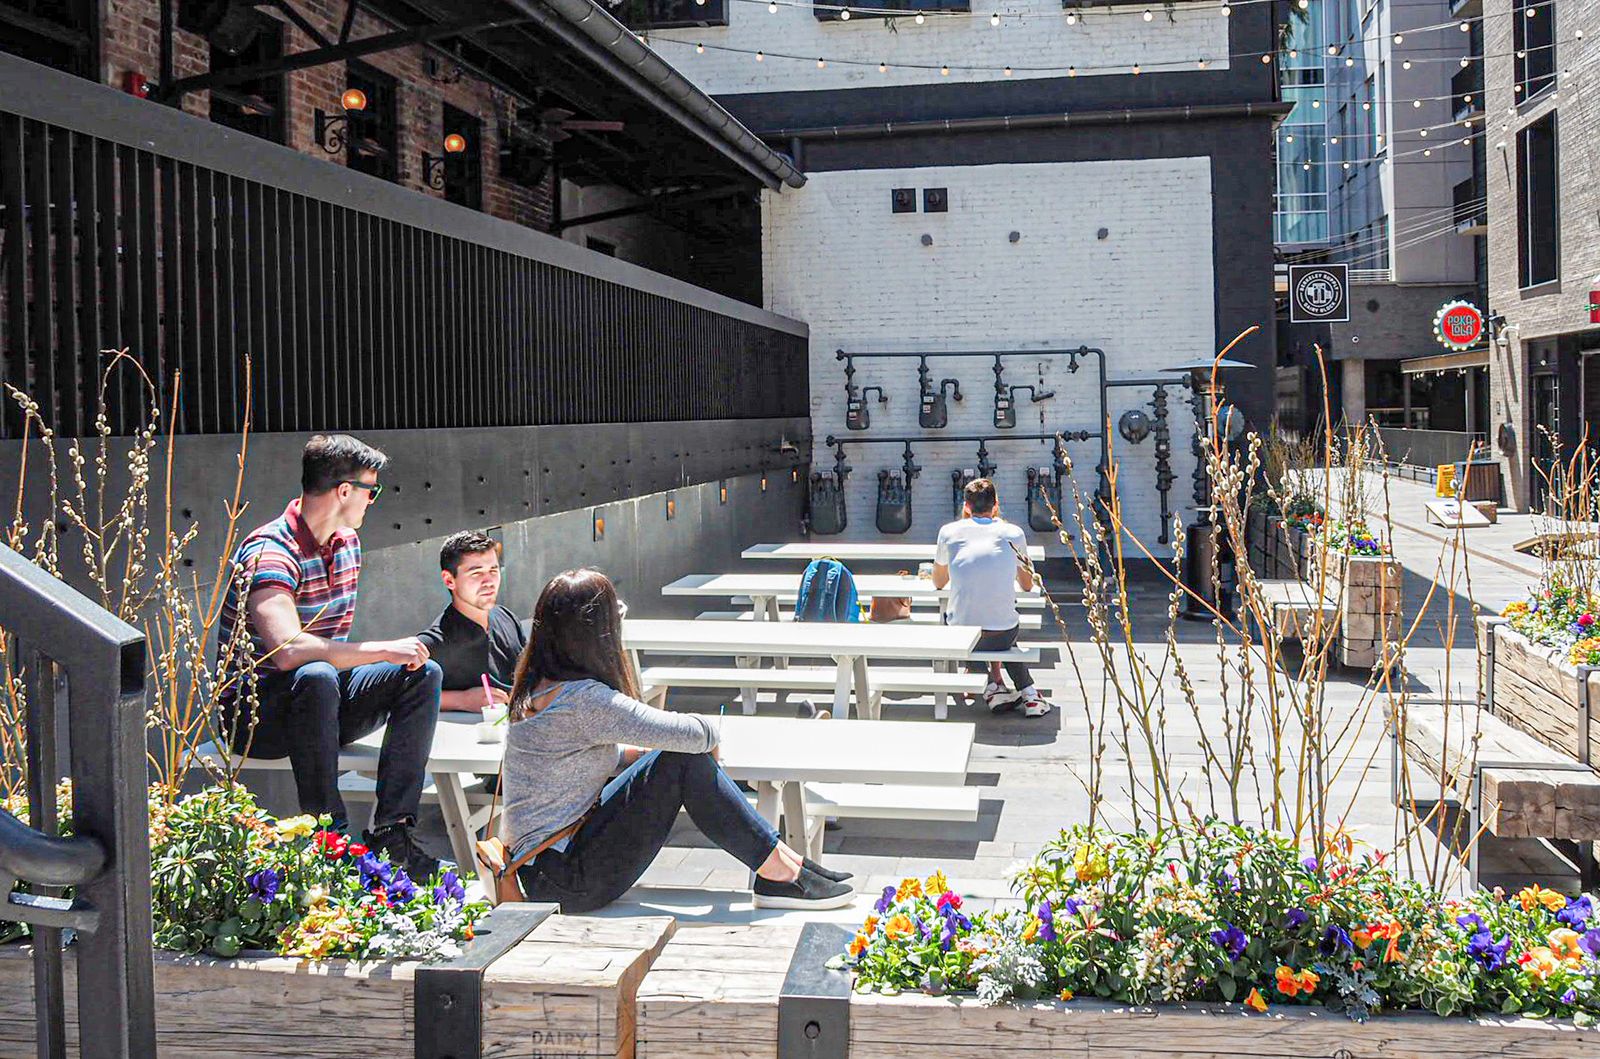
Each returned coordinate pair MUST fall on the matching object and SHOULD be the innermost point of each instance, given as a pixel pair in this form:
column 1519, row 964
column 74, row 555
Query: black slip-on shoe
column 808, row 890
column 827, row 873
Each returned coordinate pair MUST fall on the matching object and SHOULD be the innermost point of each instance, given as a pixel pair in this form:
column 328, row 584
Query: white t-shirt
column 983, row 571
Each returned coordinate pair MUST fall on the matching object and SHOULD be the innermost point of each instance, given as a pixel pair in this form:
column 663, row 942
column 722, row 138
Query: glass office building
column 1300, row 215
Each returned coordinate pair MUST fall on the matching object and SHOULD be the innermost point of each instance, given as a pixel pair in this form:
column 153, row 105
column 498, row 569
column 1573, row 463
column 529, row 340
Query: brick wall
column 860, row 275
column 131, row 41
column 1557, row 308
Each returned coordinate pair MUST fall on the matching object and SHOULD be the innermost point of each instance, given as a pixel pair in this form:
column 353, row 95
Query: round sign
column 1458, row 325
column 1319, row 292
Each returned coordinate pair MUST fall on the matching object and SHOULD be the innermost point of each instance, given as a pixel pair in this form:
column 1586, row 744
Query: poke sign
column 1318, row 294
column 1458, row 325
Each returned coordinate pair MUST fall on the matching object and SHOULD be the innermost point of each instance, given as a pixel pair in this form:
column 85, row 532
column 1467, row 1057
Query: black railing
column 107, row 859
column 1471, row 208
column 1466, row 92
column 1427, row 448
column 363, row 306
column 671, row 14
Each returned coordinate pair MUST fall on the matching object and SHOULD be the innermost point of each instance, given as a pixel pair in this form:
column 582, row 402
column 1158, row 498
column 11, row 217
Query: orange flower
column 870, row 925
column 1254, row 1001
column 1066, row 994
column 1031, row 931
column 1564, row 943
column 899, row 926
column 1362, row 936
column 1539, row 963
column 858, row 945
column 1292, row 982
column 1531, row 897
column 908, row 888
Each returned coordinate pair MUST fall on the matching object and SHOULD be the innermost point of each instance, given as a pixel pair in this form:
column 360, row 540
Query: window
column 1533, row 29
column 463, row 170
column 671, row 14
column 58, row 33
column 373, row 144
column 255, row 106
column 1538, row 203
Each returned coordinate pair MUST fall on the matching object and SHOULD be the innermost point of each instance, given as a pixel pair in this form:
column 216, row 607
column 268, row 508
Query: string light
column 772, row 8
column 1406, row 65
column 1147, row 15
column 1333, row 49
column 1226, row 10
column 994, row 19
column 1426, row 151
column 1305, row 4
column 699, row 49
column 944, row 70
column 1399, row 38
column 1136, row 69
column 1201, row 63
column 1415, row 103
column 821, row 63
column 1294, row 53
column 1072, row 71
column 1465, row 62
column 1008, row 71
column 1316, row 104
column 920, row 18
column 1333, row 140
column 1465, row 26
column 1288, row 137
column 883, row 68
column 1072, row 18
column 844, row 14
column 1307, row 166
column 760, row 56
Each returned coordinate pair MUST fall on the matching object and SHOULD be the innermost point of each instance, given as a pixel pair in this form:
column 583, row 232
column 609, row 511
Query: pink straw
column 488, row 693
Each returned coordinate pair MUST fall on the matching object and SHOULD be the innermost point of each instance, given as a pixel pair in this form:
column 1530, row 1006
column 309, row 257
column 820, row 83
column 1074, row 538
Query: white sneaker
column 1034, row 704
column 1000, row 698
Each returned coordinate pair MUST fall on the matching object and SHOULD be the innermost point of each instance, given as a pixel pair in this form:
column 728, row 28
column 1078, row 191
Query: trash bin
column 1480, row 480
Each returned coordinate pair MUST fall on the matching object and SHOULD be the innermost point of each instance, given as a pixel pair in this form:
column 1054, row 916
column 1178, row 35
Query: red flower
column 357, row 849
column 332, row 844
column 949, row 898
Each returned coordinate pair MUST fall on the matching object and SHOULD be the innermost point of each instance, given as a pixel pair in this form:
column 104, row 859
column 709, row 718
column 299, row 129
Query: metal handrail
column 107, row 859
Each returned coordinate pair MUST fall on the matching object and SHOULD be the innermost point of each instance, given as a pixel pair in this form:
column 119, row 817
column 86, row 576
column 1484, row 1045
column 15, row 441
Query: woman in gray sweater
column 575, row 719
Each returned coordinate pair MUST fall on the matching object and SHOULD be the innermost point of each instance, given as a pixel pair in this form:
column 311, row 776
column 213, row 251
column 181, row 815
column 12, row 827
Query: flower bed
column 1230, row 914
column 1536, row 667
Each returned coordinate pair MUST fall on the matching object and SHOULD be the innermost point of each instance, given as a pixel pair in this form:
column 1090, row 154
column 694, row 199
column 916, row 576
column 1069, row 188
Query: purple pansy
column 401, row 889
column 1590, row 942
column 1472, row 923
column 449, row 889
column 1231, row 940
column 1577, row 913
column 1570, row 996
column 1072, row 905
column 1310, row 865
column 1489, row 953
column 263, row 885
column 1047, row 922
column 1297, row 918
column 947, row 935
column 373, row 871
column 1333, row 939
column 881, row 906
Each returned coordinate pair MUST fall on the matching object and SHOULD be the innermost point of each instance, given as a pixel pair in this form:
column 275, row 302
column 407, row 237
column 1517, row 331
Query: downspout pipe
column 597, row 36
column 1121, row 116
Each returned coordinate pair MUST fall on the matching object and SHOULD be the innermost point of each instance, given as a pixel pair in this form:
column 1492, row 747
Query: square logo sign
column 1319, row 294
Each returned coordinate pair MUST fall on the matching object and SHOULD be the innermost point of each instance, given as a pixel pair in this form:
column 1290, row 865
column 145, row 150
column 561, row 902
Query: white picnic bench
column 849, row 644
column 898, row 552
column 901, row 769
column 764, row 590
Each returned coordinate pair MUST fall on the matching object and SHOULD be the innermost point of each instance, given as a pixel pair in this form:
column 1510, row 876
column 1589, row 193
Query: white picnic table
column 765, row 590
column 849, row 644
column 775, row 755
column 899, row 552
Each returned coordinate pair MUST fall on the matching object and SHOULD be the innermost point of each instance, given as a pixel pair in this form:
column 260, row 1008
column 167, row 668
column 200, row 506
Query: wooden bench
column 880, row 801
column 658, row 679
column 1510, row 784
column 1295, row 607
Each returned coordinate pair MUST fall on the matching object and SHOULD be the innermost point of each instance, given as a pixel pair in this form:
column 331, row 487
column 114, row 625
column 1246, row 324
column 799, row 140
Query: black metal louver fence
column 352, row 320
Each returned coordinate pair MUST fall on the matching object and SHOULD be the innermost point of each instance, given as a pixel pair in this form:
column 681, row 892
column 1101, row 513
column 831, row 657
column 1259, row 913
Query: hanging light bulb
column 1426, row 151
column 1072, row 71
column 994, row 19
column 1294, row 54
column 822, row 63
column 1333, row 139
column 1306, row 166
column 1316, row 104
column 1415, row 103
column 1305, row 4
column 844, row 15
column 883, row 68
column 699, row 49
column 944, row 70
column 760, row 56
column 1521, row 54
column 1366, row 106
column 1072, row 18
column 1266, row 59
column 1136, row 69
column 1349, row 60
column 1147, row 15
column 1333, row 49
column 772, row 8
column 1406, row 65
column 1399, row 38
column 1465, row 26
column 920, row 19
column 1201, row 63
column 1288, row 137
column 1466, row 141
column 1465, row 62
column 1347, row 165
column 1423, row 133
column 1531, row 12
column 1226, row 10
column 1008, row 71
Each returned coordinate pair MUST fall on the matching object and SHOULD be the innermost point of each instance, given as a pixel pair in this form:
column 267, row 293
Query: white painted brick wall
column 1032, row 33
column 835, row 256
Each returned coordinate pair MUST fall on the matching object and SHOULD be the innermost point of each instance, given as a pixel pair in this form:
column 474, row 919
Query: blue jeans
column 625, row 832
column 309, row 714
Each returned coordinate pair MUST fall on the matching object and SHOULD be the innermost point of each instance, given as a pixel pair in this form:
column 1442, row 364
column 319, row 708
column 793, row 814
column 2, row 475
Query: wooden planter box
column 566, row 990
column 1368, row 591
column 1535, row 689
column 714, row 992
column 1275, row 549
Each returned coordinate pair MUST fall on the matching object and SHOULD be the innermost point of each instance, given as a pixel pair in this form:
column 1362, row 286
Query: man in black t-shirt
column 473, row 635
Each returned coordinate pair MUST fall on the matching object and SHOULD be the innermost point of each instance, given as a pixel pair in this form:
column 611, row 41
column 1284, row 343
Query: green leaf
column 1228, row 986
column 1511, row 1004
column 835, row 963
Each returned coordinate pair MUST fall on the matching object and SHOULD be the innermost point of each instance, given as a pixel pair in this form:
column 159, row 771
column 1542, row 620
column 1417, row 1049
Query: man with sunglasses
column 315, row 691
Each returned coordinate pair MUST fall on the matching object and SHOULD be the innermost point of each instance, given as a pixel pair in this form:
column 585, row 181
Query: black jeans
column 308, row 714
column 625, row 832
column 1002, row 640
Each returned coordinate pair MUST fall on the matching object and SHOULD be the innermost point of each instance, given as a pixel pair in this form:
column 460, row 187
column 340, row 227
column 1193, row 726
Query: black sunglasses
column 375, row 488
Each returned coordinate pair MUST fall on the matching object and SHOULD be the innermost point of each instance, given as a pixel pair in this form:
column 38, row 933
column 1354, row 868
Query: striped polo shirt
column 284, row 556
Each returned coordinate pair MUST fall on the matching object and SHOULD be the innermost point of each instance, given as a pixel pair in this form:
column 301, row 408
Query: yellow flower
column 1089, row 862
column 1539, row 963
column 296, row 827
column 1066, row 994
column 936, row 884
column 1531, row 897
column 1031, row 931
column 908, row 888
column 1515, row 610
column 1254, row 1001
column 899, row 926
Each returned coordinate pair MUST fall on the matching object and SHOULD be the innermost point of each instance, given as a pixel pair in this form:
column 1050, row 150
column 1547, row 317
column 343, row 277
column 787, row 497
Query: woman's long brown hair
column 576, row 635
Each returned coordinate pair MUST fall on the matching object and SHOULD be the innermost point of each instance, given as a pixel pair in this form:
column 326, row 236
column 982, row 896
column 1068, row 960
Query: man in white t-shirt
column 980, row 556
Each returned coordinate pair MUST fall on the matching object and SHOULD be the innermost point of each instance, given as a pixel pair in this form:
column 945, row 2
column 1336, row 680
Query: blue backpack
column 827, row 593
